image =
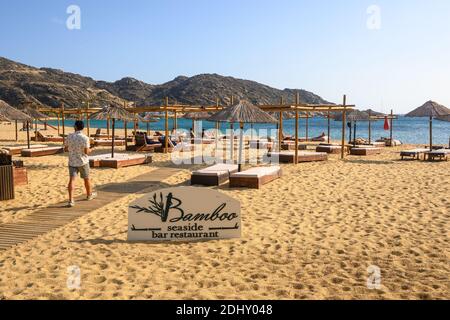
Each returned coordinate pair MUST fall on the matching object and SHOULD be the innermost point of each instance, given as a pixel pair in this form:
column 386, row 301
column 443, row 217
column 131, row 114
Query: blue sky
column 323, row 46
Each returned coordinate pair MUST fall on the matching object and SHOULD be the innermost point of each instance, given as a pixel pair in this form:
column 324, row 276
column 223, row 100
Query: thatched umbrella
column 242, row 112
column 148, row 118
column 4, row 119
column 432, row 110
column 196, row 116
column 444, row 118
column 35, row 115
column 113, row 112
column 354, row 117
column 12, row 114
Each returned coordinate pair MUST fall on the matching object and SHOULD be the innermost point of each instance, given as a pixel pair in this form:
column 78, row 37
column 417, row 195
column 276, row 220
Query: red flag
column 386, row 123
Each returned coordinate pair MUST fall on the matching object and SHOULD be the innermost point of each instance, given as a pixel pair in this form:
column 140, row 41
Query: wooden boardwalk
column 45, row 220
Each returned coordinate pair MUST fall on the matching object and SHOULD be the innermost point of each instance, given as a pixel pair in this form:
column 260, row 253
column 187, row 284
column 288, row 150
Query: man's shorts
column 84, row 171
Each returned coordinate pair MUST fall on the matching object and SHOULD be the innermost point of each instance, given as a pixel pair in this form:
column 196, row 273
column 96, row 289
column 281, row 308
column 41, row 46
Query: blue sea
column 407, row 130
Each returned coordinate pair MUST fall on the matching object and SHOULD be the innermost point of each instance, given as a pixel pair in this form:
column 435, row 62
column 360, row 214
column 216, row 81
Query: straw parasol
column 35, row 115
column 113, row 112
column 242, row 112
column 196, row 116
column 355, row 116
column 148, row 118
column 12, row 114
column 4, row 119
column 432, row 110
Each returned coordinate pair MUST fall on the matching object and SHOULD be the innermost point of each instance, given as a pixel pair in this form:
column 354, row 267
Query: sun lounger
column 255, row 177
column 49, row 151
column 329, row 148
column 376, row 144
column 289, row 156
column 260, row 144
column 290, row 145
column 108, row 143
column 440, row 155
column 14, row 150
column 413, row 153
column 47, row 138
column 119, row 160
column 364, row 151
column 94, row 161
column 213, row 176
column 320, row 139
column 141, row 144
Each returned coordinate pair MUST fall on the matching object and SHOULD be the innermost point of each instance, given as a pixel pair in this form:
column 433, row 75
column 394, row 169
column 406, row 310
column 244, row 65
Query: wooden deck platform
column 45, row 220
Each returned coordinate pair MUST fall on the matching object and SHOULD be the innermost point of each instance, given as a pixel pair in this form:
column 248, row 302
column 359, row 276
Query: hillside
column 20, row 83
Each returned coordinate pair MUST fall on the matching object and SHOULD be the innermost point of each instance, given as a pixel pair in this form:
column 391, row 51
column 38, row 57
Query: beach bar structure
column 168, row 111
column 297, row 108
column 390, row 117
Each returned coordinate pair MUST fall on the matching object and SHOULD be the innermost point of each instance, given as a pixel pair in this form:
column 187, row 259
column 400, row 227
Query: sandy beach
column 312, row 234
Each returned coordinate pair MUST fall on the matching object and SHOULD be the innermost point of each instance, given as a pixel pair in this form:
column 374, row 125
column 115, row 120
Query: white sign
column 184, row 214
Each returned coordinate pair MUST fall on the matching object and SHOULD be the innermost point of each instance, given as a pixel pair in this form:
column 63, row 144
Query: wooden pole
column 216, row 140
column 297, row 99
column 241, row 146
column 329, row 126
column 17, row 131
column 28, row 134
column 113, row 137
column 88, row 126
column 343, row 128
column 58, row 116
column 370, row 127
column 232, row 135
column 125, row 123
column 307, row 126
column 392, row 129
column 280, row 126
column 63, row 123
column 107, row 127
column 175, row 121
column 166, row 147
column 431, row 133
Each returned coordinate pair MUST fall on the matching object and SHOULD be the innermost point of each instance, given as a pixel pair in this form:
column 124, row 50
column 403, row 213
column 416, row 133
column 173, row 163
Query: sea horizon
column 407, row 130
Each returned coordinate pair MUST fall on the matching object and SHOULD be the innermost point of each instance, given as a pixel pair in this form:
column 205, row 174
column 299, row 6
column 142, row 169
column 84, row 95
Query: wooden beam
column 280, row 126
column 344, row 115
column 297, row 98
column 329, row 126
column 63, row 124
column 87, row 119
column 391, row 129
column 166, row 142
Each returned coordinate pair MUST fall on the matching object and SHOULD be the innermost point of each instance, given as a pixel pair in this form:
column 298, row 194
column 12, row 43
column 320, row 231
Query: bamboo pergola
column 391, row 117
column 298, row 107
column 172, row 110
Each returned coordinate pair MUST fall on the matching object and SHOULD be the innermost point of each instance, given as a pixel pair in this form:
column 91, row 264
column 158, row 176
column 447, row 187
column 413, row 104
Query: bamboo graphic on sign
column 158, row 207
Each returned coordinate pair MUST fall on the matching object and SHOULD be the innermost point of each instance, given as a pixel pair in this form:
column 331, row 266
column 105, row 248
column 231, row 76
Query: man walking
column 78, row 146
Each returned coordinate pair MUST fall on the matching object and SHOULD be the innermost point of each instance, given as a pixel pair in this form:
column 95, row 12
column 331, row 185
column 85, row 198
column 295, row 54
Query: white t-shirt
column 76, row 143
